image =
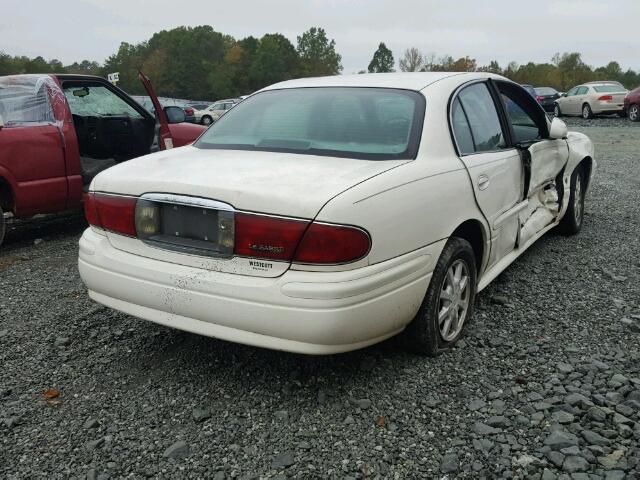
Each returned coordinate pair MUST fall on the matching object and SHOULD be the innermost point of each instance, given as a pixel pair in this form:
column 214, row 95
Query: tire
column 425, row 335
column 634, row 112
column 586, row 111
column 3, row 226
column 573, row 218
column 556, row 111
column 206, row 120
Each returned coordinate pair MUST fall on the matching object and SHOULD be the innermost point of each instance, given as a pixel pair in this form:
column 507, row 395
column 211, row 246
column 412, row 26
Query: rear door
column 579, row 99
column 567, row 103
column 495, row 168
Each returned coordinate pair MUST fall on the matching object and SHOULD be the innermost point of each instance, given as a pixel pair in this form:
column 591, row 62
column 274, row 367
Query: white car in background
column 213, row 112
column 198, row 110
column 593, row 98
column 323, row 215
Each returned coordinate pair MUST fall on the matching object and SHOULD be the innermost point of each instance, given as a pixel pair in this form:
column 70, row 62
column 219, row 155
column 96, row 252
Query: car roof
column 403, row 80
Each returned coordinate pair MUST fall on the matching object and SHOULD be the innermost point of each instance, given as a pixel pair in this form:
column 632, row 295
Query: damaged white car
column 323, row 215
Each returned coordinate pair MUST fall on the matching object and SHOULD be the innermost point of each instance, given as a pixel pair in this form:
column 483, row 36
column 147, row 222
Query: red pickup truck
column 58, row 131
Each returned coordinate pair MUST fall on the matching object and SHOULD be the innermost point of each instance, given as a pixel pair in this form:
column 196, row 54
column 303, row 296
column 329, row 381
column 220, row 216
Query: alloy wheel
column 586, row 111
column 556, row 111
column 634, row 113
column 453, row 302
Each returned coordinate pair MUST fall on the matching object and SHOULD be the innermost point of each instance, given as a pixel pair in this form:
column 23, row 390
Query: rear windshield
column 608, row 89
column 25, row 99
column 366, row 123
column 546, row 91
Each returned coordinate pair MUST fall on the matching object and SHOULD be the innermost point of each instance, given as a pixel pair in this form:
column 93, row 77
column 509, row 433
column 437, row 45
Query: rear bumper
column 606, row 108
column 305, row 312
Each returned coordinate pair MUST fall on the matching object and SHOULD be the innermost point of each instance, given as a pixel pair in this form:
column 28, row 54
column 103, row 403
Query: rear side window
column 25, row 99
column 582, row 90
column 461, row 129
column 483, row 118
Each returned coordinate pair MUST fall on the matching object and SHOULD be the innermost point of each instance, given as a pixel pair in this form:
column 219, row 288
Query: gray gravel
column 546, row 384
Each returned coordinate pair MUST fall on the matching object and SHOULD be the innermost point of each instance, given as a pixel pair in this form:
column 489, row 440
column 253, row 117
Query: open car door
column 543, row 158
column 165, row 139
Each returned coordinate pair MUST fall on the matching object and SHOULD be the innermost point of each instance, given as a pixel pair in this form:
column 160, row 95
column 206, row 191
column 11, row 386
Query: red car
column 632, row 105
column 58, row 131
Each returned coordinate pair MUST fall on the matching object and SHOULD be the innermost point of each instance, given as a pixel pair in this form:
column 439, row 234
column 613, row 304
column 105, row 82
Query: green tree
column 85, row 67
column 318, row 56
column 275, row 60
column 382, row 60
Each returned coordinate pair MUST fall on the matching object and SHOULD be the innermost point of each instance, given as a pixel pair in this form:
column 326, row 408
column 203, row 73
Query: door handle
column 483, row 181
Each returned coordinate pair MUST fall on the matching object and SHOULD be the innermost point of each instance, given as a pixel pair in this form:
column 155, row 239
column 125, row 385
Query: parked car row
column 593, row 98
column 589, row 99
column 206, row 114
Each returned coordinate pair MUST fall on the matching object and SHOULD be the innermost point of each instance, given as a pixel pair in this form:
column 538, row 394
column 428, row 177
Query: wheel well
column 587, row 164
column 6, row 195
column 472, row 232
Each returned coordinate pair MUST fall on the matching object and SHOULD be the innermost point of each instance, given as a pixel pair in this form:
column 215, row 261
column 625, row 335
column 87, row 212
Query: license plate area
column 198, row 229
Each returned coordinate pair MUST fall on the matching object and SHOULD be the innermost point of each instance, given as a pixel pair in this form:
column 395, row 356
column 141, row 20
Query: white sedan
column 323, row 215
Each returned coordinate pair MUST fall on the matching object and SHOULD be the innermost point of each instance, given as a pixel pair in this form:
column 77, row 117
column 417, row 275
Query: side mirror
column 563, row 94
column 558, row 129
column 175, row 114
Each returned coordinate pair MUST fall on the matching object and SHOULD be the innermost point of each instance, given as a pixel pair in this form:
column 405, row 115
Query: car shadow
column 24, row 232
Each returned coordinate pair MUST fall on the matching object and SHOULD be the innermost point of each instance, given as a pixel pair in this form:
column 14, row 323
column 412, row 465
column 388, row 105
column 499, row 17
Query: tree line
column 200, row 63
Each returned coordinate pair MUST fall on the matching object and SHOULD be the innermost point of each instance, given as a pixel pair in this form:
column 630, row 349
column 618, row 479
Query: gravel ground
column 545, row 385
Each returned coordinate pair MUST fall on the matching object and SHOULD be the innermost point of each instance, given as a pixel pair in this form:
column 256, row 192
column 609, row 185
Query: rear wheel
column 586, row 111
column 3, row 226
column 573, row 218
column 556, row 111
column 207, row 120
column 634, row 112
column 448, row 303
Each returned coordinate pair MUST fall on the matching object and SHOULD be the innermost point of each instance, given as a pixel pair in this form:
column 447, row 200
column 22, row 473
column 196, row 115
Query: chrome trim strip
column 187, row 201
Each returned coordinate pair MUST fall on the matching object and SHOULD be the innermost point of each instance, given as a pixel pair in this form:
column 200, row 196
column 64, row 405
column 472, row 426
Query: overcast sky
column 602, row 30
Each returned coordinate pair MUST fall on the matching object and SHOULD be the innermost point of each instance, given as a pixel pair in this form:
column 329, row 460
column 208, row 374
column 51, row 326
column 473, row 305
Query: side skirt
column 508, row 259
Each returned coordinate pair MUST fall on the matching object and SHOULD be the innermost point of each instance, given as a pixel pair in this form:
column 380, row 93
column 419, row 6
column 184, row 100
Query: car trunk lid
column 202, row 186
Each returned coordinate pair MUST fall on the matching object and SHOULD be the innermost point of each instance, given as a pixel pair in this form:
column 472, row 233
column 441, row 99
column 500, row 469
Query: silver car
column 589, row 99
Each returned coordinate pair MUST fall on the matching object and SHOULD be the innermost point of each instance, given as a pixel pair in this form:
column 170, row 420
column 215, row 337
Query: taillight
column 326, row 243
column 606, row 98
column 189, row 112
column 267, row 237
column 111, row 212
column 539, row 98
column 297, row 240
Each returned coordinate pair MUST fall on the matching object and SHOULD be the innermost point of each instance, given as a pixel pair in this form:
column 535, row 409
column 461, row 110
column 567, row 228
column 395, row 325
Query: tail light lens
column 189, row 111
column 606, row 98
column 539, row 98
column 325, row 243
column 267, row 237
column 111, row 212
column 298, row 240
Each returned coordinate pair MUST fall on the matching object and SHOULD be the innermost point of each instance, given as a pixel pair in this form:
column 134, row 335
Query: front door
column 543, row 158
